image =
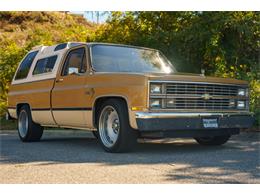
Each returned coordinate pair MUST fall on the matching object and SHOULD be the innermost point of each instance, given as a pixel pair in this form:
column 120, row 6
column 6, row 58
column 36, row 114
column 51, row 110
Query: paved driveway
column 76, row 157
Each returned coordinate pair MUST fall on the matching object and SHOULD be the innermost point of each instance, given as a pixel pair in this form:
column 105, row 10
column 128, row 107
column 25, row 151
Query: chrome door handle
column 59, row 80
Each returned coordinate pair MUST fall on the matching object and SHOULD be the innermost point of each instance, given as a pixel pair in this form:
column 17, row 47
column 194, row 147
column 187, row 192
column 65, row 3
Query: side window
column 75, row 62
column 44, row 65
column 25, row 66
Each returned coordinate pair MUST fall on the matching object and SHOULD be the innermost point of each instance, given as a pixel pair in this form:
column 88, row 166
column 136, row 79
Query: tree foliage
column 225, row 44
column 20, row 31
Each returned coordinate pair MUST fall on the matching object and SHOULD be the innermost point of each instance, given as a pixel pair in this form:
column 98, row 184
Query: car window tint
column 113, row 58
column 45, row 65
column 75, row 62
column 25, row 66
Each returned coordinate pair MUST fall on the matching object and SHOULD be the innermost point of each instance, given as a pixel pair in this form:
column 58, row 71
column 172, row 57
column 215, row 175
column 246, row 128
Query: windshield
column 110, row 58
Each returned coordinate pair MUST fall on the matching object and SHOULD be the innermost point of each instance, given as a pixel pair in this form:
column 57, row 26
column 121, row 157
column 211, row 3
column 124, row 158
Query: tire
column 28, row 130
column 114, row 131
column 213, row 141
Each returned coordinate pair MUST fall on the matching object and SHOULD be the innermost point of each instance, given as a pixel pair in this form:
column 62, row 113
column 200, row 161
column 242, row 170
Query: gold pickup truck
column 120, row 93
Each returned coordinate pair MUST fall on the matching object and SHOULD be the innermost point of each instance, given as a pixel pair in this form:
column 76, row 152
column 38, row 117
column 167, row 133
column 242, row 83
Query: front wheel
column 115, row 133
column 213, row 141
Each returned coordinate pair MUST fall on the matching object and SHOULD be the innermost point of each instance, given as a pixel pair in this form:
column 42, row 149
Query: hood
column 193, row 78
column 178, row 77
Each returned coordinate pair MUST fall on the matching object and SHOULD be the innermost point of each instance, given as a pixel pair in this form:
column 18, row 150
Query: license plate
column 210, row 123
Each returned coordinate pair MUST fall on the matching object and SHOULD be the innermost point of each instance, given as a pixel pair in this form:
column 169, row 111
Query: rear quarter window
column 25, row 66
column 45, row 65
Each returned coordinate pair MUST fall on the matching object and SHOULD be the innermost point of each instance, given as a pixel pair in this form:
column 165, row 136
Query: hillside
column 225, row 44
column 20, row 31
column 42, row 27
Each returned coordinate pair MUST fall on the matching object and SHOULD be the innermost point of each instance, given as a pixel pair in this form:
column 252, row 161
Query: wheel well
column 19, row 106
column 99, row 102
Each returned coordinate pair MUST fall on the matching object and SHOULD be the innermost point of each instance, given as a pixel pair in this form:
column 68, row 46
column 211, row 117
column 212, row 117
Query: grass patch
column 7, row 125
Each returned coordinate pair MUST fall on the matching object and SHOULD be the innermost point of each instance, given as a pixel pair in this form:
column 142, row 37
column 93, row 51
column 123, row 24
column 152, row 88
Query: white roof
column 50, row 50
column 46, row 51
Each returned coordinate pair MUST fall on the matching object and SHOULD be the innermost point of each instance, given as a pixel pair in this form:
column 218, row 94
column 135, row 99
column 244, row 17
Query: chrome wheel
column 109, row 126
column 23, row 123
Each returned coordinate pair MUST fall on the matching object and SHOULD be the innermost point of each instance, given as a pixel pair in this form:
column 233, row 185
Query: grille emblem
column 206, row 96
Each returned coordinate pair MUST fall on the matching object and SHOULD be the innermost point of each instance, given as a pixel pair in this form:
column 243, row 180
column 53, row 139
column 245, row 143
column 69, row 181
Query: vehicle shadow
column 188, row 160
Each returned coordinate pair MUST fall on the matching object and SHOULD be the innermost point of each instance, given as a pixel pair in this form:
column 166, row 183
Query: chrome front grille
column 200, row 89
column 198, row 103
column 198, row 96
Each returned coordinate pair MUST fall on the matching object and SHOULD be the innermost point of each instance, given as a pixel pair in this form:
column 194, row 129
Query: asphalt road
column 76, row 157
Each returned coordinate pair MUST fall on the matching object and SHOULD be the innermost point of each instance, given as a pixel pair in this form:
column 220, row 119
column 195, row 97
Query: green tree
column 225, row 44
column 20, row 31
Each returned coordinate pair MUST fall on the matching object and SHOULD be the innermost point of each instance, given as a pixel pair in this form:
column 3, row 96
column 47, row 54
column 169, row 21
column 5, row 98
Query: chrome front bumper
column 150, row 115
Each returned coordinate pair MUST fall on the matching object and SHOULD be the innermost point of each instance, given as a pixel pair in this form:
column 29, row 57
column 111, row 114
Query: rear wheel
column 115, row 133
column 28, row 130
column 213, row 141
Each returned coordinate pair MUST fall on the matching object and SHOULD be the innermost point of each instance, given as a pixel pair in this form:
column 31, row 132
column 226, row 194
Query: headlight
column 241, row 104
column 155, row 103
column 156, row 88
column 242, row 92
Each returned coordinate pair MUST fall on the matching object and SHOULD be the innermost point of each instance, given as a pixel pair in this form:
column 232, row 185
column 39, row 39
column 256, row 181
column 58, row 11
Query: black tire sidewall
column 214, row 141
column 122, row 144
column 34, row 131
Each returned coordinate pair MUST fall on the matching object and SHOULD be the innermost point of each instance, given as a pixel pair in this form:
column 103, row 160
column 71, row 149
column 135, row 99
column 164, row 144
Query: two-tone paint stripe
column 11, row 107
column 59, row 109
column 64, row 109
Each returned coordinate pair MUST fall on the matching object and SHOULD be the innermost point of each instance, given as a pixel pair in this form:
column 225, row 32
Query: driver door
column 68, row 94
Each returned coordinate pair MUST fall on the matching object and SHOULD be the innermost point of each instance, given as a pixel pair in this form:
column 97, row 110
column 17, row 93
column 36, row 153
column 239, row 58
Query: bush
column 225, row 44
column 20, row 31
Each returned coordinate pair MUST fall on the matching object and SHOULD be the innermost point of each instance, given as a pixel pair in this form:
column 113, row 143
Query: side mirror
column 73, row 70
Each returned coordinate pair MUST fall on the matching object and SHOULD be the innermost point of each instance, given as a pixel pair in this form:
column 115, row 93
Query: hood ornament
column 206, row 96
